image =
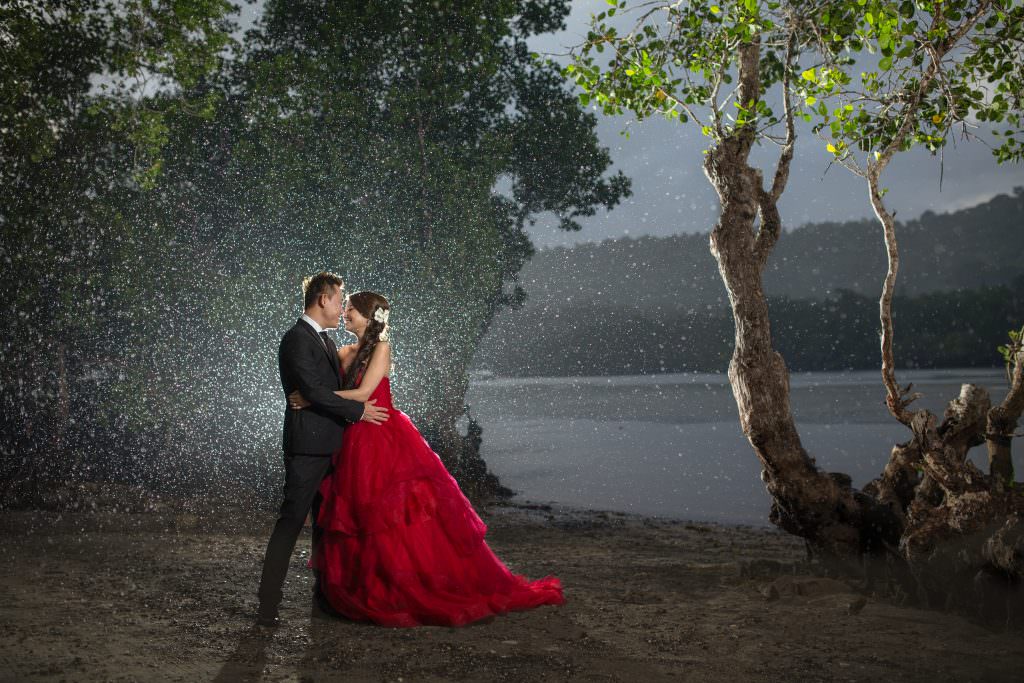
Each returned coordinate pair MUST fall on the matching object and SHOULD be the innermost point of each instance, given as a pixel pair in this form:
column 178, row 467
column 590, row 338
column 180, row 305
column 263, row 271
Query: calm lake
column 670, row 445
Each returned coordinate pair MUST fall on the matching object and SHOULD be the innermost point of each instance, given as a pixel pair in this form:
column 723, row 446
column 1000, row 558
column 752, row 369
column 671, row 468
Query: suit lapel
column 332, row 355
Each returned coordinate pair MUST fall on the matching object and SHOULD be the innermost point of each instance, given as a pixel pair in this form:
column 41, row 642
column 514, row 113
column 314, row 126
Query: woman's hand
column 297, row 401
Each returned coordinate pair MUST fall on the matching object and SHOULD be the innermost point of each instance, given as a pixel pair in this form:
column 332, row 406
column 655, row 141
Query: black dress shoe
column 268, row 618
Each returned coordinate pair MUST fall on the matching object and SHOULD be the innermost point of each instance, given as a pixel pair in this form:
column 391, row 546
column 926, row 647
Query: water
column 671, row 445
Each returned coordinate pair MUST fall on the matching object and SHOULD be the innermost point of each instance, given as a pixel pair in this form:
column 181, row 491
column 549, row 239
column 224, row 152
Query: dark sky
column 671, row 194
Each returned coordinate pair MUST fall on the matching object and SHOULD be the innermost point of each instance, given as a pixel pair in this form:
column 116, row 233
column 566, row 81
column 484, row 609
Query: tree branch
column 771, row 222
column 1002, row 423
column 896, row 399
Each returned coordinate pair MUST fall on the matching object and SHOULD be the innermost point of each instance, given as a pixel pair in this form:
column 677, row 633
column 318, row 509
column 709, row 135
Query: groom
column 308, row 361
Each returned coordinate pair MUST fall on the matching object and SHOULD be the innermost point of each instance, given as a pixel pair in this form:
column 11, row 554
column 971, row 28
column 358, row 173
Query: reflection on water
column 671, row 445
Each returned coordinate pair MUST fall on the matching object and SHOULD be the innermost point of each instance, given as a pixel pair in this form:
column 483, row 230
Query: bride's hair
column 367, row 304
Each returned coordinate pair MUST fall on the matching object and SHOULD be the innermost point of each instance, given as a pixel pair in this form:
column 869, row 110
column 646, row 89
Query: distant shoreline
column 797, row 377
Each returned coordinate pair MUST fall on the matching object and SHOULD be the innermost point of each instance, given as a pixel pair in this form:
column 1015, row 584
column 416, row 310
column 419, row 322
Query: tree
column 165, row 203
column 64, row 59
column 369, row 138
column 681, row 60
column 682, row 64
column 77, row 139
column 942, row 67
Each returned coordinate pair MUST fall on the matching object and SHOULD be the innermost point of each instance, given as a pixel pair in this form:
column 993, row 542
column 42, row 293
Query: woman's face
column 355, row 322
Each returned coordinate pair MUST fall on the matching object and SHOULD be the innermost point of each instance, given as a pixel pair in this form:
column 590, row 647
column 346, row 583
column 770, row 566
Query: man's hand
column 373, row 414
column 297, row 401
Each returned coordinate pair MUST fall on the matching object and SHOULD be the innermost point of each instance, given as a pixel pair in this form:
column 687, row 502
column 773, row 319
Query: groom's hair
column 321, row 283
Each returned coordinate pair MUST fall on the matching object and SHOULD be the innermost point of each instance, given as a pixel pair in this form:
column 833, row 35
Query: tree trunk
column 815, row 505
column 960, row 527
column 940, row 519
column 437, row 373
column 896, row 399
column 1002, row 423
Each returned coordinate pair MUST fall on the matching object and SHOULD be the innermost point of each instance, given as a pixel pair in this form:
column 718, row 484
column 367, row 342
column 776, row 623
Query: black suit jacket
column 307, row 366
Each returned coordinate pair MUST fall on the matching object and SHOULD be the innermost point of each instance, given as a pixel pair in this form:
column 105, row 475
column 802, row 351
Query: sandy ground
column 115, row 596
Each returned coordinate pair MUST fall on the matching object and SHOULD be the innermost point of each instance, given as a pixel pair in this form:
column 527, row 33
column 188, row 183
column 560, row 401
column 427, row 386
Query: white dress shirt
column 317, row 328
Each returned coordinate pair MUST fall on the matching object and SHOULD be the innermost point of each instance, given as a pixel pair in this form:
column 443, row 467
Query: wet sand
column 169, row 595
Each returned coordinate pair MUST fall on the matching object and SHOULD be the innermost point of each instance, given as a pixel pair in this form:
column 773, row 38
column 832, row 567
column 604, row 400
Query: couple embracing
column 395, row 541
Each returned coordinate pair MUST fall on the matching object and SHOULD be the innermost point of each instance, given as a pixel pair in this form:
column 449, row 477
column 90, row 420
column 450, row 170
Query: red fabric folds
column 402, row 545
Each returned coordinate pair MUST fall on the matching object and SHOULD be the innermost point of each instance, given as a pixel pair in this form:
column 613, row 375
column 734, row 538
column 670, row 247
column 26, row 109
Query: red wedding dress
column 401, row 544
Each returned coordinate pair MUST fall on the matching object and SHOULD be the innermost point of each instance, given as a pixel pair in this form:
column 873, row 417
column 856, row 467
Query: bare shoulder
column 382, row 348
column 382, row 354
column 347, row 352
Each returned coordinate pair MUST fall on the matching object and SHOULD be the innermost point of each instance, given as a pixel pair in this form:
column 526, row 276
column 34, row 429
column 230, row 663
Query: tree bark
column 1002, row 423
column 818, row 506
column 896, row 399
column 931, row 511
column 959, row 524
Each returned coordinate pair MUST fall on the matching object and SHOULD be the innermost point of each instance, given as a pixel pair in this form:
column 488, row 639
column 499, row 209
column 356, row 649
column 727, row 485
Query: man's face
column 332, row 305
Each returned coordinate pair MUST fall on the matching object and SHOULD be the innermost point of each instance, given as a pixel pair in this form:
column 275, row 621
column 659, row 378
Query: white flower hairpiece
column 381, row 315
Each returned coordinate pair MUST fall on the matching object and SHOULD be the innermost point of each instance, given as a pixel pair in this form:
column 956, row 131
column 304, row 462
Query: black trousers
column 303, row 474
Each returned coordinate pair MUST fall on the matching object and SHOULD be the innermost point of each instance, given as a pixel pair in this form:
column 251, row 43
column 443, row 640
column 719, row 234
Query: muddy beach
column 168, row 594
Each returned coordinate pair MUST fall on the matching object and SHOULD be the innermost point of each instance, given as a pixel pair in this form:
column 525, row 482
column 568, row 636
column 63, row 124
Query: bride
column 401, row 544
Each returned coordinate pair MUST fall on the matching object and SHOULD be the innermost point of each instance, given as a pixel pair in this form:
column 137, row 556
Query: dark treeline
column 972, row 247
column 654, row 304
column 944, row 329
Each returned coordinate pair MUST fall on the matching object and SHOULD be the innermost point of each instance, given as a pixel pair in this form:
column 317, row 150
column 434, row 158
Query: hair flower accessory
column 381, row 315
